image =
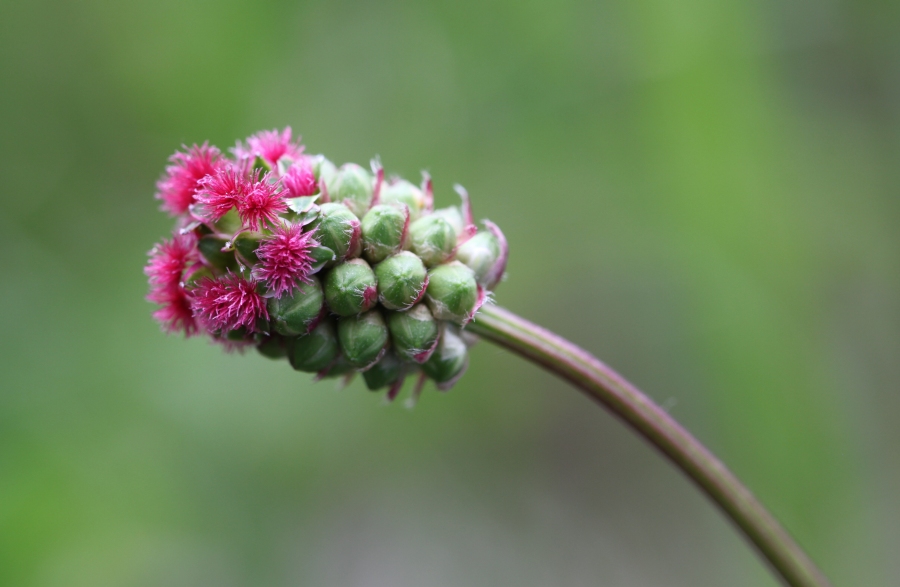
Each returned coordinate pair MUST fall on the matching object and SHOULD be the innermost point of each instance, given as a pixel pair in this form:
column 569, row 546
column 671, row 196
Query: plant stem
column 625, row 400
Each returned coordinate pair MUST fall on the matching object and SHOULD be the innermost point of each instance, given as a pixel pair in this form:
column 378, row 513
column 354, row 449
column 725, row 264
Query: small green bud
column 315, row 351
column 459, row 217
column 403, row 192
column 450, row 359
column 384, row 230
column 401, row 280
column 324, row 170
column 211, row 248
column 363, row 338
column 272, row 347
column 293, row 314
column 433, row 239
column 386, row 371
column 486, row 254
column 353, row 187
column 453, row 216
column 414, row 333
column 351, row 288
column 452, row 293
column 337, row 228
column 246, row 244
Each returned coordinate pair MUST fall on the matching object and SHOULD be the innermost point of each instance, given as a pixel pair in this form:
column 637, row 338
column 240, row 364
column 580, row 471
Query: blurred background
column 704, row 194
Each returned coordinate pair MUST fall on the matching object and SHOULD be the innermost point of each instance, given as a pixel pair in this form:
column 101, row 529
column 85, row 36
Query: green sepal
column 353, row 187
column 389, row 369
column 403, row 192
column 197, row 275
column 414, row 333
column 433, row 239
column 452, row 292
column 292, row 314
column 384, row 230
column 401, row 280
column 351, row 288
column 230, row 223
column 321, row 256
column 363, row 338
column 260, row 164
column 246, row 244
column 339, row 367
column 272, row 347
column 338, row 229
column 315, row 351
column 302, row 204
column 211, row 248
column 450, row 359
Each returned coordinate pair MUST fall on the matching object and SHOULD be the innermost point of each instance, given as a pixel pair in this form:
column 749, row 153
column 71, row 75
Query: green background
column 704, row 194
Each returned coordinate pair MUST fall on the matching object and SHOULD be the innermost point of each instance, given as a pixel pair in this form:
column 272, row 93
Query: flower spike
column 330, row 267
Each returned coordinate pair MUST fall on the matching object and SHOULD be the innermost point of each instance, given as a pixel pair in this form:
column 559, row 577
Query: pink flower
column 169, row 261
column 270, row 146
column 262, row 204
column 176, row 187
column 176, row 314
column 228, row 303
column 285, row 258
column 221, row 192
column 300, row 180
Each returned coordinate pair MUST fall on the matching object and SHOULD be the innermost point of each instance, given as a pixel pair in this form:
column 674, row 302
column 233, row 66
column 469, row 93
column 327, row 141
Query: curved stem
column 609, row 388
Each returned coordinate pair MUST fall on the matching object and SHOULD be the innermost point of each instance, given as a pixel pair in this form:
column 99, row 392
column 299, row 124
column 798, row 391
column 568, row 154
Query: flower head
column 258, row 200
column 228, row 303
column 300, row 179
column 262, row 204
column 176, row 314
column 270, row 146
column 222, row 191
column 176, row 187
column 169, row 262
column 285, row 258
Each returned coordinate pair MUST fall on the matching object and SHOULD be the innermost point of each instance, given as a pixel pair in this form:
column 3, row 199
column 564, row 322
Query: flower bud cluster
column 335, row 269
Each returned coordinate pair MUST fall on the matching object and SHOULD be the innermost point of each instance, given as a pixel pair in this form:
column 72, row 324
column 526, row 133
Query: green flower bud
column 315, row 351
column 386, row 371
column 324, row 170
column 402, row 280
column 485, row 254
column 351, row 288
column 272, row 347
column 353, row 187
column 414, row 333
column 450, row 359
column 384, row 230
column 211, row 248
column 453, row 216
column 433, row 239
column 246, row 244
column 339, row 367
column 452, row 293
column 403, row 192
column 363, row 338
column 459, row 217
column 294, row 314
column 337, row 228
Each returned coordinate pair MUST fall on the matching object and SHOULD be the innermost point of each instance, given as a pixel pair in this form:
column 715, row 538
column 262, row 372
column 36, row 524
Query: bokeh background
column 704, row 194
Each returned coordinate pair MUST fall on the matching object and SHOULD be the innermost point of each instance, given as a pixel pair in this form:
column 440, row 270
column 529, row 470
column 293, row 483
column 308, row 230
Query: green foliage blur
column 704, row 194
